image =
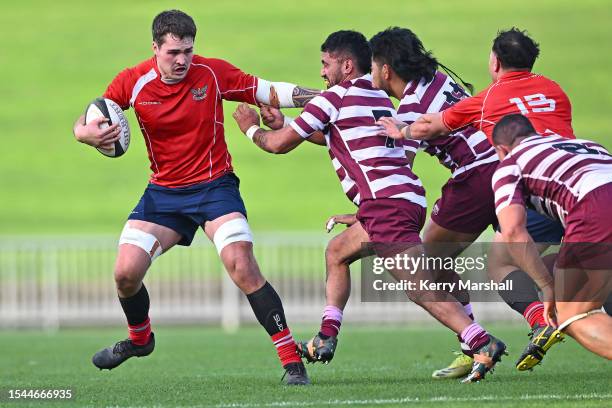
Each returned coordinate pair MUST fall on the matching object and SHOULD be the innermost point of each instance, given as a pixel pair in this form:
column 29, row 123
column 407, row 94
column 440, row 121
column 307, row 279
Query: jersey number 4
column 537, row 103
column 389, row 142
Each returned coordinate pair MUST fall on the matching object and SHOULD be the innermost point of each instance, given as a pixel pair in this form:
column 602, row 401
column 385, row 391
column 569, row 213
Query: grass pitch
column 382, row 367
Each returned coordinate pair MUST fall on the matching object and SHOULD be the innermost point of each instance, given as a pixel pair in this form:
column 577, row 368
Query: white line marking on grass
column 408, row 400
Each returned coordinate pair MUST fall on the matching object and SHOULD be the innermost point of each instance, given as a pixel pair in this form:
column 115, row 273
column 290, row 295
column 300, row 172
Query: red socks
column 286, row 347
column 534, row 314
column 140, row 333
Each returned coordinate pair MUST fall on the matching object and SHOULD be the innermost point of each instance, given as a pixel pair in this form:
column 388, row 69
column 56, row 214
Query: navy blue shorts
column 184, row 209
column 543, row 229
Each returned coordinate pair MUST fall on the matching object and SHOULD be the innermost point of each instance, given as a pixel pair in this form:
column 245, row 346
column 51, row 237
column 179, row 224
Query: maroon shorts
column 587, row 242
column 391, row 223
column 467, row 203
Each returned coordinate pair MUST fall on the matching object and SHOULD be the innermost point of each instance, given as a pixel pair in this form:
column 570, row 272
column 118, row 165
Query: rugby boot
column 460, row 367
column 295, row 374
column 542, row 339
column 485, row 359
column 111, row 357
column 318, row 349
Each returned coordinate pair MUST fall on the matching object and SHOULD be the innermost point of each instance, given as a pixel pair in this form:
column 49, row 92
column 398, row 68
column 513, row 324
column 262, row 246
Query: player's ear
column 496, row 64
column 347, row 66
column 386, row 72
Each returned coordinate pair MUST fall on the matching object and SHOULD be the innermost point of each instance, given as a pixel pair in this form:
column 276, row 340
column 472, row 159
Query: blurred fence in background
column 52, row 282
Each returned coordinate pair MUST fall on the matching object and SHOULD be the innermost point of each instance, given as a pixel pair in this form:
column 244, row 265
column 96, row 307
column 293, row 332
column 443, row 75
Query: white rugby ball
column 101, row 107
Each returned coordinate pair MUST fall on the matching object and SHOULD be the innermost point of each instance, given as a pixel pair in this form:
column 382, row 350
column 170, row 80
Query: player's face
column 378, row 76
column 174, row 57
column 332, row 69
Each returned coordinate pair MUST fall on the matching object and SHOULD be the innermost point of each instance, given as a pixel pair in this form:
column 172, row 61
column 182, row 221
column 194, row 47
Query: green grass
column 58, row 56
column 373, row 367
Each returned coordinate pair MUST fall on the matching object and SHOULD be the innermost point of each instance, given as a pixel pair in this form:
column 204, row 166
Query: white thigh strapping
column 141, row 239
column 571, row 320
column 232, row 231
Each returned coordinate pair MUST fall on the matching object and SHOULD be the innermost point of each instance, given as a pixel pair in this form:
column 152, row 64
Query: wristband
column 287, row 121
column 406, row 132
column 251, row 131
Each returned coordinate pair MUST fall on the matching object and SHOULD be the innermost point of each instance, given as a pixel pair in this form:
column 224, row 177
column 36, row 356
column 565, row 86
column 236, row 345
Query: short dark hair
column 402, row 50
column 515, row 49
column 353, row 43
column 512, row 127
column 174, row 22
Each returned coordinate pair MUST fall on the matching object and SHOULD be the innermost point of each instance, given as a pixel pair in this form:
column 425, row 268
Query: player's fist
column 92, row 133
column 245, row 117
column 272, row 117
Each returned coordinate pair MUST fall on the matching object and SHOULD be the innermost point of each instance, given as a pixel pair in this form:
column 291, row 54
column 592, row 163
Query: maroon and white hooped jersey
column 551, row 173
column 460, row 151
column 369, row 166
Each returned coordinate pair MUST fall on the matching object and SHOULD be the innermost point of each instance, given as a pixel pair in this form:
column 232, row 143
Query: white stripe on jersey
column 410, row 196
column 475, row 139
column 556, row 173
column 360, row 131
column 356, row 139
column 140, row 83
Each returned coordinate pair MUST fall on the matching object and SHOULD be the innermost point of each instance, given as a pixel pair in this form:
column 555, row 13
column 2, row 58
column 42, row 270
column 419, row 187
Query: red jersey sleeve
column 465, row 112
column 120, row 88
column 234, row 85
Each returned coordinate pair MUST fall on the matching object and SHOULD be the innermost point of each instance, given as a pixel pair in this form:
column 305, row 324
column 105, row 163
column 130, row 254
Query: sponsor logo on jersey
column 199, row 93
column 149, row 103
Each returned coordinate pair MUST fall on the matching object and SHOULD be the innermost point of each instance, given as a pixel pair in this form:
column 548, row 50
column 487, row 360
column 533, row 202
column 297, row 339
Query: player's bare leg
column 444, row 307
column 140, row 242
column 524, row 300
column 580, row 295
column 593, row 332
column 344, row 249
column 442, row 242
column 231, row 235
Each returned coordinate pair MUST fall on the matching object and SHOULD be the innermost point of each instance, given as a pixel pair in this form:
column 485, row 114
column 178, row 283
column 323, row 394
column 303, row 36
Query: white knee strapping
column 571, row 320
column 141, row 239
column 232, row 231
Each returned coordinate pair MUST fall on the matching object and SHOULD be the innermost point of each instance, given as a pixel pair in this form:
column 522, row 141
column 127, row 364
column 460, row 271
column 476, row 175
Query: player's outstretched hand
column 93, row 135
column 346, row 219
column 391, row 127
column 550, row 313
column 246, row 117
column 272, row 117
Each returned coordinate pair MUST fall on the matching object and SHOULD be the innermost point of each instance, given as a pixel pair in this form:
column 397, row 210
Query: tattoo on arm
column 260, row 139
column 301, row 96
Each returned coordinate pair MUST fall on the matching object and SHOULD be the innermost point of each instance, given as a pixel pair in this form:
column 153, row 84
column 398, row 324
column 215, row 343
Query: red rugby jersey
column 182, row 123
column 535, row 96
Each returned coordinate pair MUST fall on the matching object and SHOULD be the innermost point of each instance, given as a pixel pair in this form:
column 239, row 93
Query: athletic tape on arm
column 148, row 242
column 232, row 231
column 284, row 91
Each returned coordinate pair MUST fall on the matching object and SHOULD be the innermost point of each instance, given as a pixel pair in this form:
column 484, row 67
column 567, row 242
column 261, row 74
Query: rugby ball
column 101, row 107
